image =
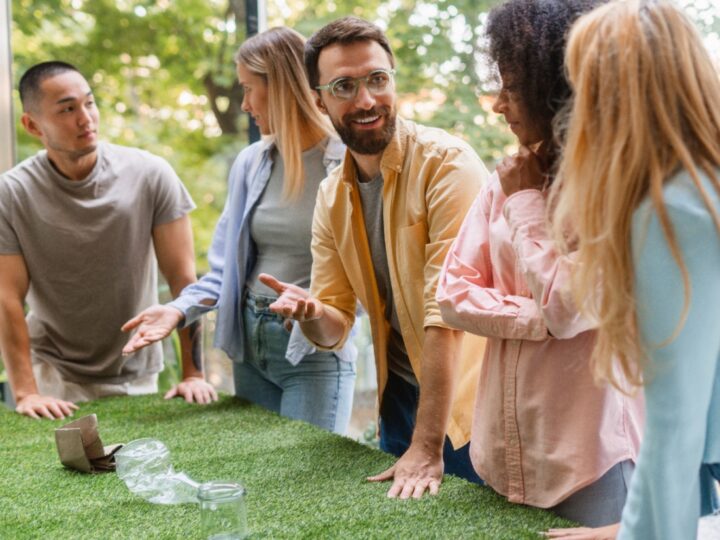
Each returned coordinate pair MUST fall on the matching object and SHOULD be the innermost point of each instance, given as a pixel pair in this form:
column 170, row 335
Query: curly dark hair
column 527, row 43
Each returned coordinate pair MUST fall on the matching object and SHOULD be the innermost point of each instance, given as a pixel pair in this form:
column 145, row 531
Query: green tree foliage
column 442, row 74
column 164, row 77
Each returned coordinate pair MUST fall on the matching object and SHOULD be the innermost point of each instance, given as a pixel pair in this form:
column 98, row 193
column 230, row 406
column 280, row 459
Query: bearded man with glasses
column 384, row 221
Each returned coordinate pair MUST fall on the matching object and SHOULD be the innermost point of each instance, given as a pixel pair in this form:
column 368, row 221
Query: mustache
column 362, row 115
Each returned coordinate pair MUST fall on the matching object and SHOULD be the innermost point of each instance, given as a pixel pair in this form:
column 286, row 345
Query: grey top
column 372, row 207
column 88, row 249
column 281, row 230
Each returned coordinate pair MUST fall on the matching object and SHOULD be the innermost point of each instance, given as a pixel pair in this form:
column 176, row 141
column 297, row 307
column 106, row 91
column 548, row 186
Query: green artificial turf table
column 301, row 482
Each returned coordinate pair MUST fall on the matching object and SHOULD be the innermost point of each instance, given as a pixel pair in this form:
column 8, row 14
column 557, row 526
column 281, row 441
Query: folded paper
column 80, row 448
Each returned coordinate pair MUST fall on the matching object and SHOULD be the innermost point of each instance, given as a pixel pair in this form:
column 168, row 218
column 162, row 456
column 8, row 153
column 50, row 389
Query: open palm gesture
column 153, row 324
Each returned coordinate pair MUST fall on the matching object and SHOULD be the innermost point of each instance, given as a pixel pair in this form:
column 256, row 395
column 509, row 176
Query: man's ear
column 319, row 102
column 30, row 125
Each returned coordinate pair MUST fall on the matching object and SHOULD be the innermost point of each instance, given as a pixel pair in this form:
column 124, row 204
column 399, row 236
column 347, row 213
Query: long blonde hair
column 276, row 55
column 646, row 103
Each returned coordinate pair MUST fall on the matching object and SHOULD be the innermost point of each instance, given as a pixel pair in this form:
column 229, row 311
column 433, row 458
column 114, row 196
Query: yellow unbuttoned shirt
column 430, row 180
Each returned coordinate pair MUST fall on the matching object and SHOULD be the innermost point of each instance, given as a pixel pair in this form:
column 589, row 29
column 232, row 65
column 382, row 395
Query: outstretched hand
column 153, row 324
column 416, row 472
column 293, row 302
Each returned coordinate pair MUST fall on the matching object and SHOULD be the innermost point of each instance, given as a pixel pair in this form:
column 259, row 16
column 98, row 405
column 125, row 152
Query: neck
column 368, row 165
column 73, row 167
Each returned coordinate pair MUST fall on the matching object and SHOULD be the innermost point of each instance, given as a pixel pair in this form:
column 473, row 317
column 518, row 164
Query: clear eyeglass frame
column 345, row 88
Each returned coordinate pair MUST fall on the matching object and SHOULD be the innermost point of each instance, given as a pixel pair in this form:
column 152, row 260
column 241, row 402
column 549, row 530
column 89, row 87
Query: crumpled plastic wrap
column 145, row 467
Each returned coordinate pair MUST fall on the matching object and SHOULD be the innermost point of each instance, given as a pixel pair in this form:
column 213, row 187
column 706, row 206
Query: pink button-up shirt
column 542, row 428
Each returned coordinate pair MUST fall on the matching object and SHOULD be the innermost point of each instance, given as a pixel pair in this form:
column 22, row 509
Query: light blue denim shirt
column 223, row 286
column 668, row 493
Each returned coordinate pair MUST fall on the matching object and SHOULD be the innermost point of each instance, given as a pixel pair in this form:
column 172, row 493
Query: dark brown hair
column 30, row 82
column 344, row 31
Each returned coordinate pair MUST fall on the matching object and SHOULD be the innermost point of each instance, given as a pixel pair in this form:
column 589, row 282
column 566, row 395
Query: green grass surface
column 301, row 481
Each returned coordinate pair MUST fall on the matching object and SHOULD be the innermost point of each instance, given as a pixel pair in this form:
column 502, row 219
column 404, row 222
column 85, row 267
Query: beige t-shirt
column 88, row 249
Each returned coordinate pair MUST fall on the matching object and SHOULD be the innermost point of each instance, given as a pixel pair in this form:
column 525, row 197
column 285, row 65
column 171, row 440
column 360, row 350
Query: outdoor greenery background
column 164, row 79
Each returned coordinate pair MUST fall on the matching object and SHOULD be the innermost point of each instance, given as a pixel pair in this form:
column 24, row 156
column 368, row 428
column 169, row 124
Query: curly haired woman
column 543, row 433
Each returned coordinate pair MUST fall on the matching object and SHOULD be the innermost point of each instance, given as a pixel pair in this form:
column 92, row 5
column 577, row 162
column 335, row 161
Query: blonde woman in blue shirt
column 640, row 180
column 266, row 228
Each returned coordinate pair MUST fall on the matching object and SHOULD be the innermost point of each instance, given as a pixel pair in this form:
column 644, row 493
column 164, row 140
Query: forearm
column 190, row 336
column 327, row 330
column 547, row 271
column 439, row 370
column 487, row 312
column 191, row 350
column 15, row 350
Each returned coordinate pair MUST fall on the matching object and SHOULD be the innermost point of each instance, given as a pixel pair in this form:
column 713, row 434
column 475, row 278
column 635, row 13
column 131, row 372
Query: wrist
column 22, row 395
column 429, row 445
column 25, row 389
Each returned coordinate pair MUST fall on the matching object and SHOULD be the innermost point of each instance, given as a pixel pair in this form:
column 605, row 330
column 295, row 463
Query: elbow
column 452, row 317
column 563, row 320
column 561, row 329
column 11, row 305
column 179, row 280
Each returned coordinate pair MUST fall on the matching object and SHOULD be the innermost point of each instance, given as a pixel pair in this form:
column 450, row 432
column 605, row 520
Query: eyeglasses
column 377, row 82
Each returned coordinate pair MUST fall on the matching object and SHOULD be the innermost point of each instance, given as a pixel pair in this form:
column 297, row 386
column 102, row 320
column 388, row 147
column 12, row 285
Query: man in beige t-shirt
column 81, row 225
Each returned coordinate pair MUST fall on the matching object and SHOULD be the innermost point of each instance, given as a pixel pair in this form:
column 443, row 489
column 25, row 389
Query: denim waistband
column 259, row 303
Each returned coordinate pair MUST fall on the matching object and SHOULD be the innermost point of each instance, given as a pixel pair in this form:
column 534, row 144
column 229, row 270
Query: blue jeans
column 397, row 423
column 318, row 390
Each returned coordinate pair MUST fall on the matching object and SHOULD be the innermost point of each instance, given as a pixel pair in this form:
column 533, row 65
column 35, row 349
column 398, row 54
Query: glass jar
column 222, row 510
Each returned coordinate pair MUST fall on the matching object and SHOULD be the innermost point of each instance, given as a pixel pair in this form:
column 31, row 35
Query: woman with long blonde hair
column 639, row 186
column 266, row 228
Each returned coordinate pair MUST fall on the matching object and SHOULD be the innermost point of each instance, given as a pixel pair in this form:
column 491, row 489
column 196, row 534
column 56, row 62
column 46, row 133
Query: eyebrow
column 67, row 99
column 341, row 77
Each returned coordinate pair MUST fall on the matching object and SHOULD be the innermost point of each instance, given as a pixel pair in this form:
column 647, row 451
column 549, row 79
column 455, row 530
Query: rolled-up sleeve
column 202, row 296
column 466, row 296
column 546, row 270
column 450, row 193
column 329, row 281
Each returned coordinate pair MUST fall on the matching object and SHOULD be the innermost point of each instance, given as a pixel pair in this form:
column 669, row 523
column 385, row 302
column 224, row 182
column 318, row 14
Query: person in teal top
column 640, row 177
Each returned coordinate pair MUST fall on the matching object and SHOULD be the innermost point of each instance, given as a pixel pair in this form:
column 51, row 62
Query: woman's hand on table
column 609, row 532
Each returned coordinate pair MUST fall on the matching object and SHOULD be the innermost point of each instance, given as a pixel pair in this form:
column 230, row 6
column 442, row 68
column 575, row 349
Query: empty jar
column 222, row 510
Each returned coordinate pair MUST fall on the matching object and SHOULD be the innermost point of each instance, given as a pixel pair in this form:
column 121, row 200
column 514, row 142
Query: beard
column 366, row 142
